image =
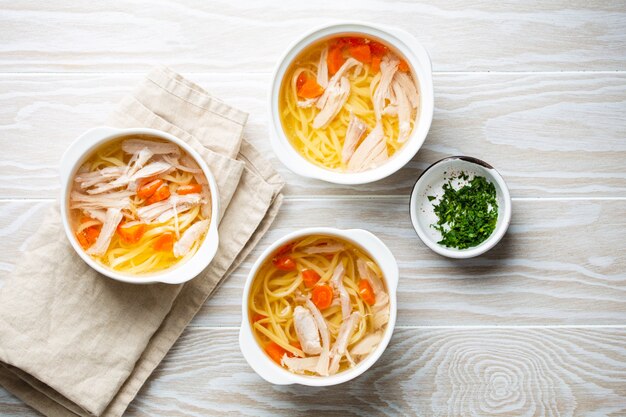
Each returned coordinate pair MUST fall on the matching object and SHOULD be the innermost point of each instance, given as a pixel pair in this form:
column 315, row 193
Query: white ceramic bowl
column 76, row 155
column 430, row 183
column 418, row 59
column 274, row 373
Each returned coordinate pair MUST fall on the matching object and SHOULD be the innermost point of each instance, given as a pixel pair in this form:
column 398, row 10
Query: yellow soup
column 318, row 305
column 337, row 80
column 140, row 205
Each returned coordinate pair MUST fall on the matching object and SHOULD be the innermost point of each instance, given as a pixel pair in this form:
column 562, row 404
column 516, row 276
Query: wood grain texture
column 560, row 263
column 548, row 134
column 195, row 35
column 424, row 372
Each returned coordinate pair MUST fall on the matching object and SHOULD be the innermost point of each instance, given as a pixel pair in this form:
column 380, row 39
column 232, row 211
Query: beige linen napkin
column 73, row 342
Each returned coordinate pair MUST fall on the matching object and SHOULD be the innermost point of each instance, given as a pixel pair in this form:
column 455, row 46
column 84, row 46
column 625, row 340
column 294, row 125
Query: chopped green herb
column 431, row 197
column 467, row 216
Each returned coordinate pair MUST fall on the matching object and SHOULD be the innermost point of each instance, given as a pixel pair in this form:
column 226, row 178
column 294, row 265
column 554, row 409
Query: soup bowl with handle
column 276, row 374
column 421, row 70
column 76, row 155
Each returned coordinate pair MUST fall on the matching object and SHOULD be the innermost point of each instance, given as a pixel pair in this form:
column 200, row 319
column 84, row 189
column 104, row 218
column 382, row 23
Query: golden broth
column 148, row 247
column 275, row 293
column 323, row 146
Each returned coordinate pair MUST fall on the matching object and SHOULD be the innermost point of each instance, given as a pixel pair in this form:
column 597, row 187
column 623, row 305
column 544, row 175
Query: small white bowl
column 274, row 373
column 431, row 182
column 76, row 155
column 418, row 59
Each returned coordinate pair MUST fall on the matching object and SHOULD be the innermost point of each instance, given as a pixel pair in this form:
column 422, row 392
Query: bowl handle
column 377, row 247
column 257, row 360
column 80, row 146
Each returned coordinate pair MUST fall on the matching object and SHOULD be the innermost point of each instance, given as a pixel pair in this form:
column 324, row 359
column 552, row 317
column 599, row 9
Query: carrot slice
column 146, row 190
column 161, row 193
column 375, row 65
column 310, row 277
column 403, row 66
column 361, row 53
column 189, row 189
column 88, row 236
column 322, row 296
column 275, row 351
column 285, row 248
column 378, row 49
column 366, row 292
column 301, row 80
column 131, row 234
column 284, row 263
column 349, row 41
column 334, row 60
column 164, row 243
column 310, row 89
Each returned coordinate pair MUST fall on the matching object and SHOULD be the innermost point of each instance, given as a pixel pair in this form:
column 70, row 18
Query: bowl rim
column 418, row 58
column 71, row 161
column 276, row 374
column 492, row 240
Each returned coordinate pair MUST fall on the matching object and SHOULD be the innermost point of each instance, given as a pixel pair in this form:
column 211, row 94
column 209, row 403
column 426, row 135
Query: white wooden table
column 535, row 327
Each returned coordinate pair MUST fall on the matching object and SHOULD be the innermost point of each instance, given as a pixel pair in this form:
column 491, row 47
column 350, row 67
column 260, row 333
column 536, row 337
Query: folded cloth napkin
column 75, row 343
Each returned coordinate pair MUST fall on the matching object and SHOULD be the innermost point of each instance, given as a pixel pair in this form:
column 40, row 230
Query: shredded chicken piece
column 341, row 343
column 337, row 281
column 388, row 68
column 99, row 215
column 409, row 88
column 380, row 309
column 89, row 179
column 135, row 172
column 138, row 161
column 371, row 152
column 322, row 69
column 367, row 344
column 322, row 365
column 151, row 170
column 356, row 129
column 404, row 112
column 335, row 94
column 206, row 195
column 119, row 199
column 306, row 330
column 330, row 248
column 111, row 221
column 184, row 164
column 300, row 365
column 189, row 237
column 132, row 146
column 336, row 99
column 163, row 210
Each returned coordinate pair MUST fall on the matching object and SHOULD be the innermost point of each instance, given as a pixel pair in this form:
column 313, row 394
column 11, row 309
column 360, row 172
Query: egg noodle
column 140, row 257
column 275, row 294
column 323, row 146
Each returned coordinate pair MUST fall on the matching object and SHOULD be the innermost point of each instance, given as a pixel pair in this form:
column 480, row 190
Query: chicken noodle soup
column 348, row 103
column 140, row 205
column 318, row 306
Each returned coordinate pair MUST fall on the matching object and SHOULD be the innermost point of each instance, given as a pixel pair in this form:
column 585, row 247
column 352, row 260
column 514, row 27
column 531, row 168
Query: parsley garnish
column 467, row 216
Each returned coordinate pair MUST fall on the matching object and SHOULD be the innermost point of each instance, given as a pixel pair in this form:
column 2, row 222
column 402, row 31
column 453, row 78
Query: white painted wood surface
column 535, row 327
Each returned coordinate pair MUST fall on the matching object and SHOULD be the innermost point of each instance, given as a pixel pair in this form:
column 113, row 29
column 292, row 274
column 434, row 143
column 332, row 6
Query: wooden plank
column 251, row 35
column 546, row 133
column 442, row 372
column 425, row 371
column 562, row 262
column 11, row 406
